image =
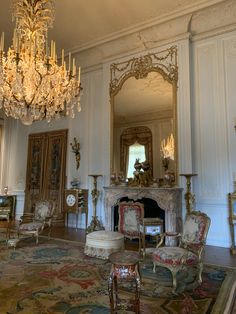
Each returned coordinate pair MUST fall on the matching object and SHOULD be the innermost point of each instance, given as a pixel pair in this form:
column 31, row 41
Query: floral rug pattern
column 56, row 277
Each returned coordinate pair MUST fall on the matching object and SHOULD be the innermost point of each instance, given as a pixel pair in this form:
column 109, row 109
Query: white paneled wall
column 214, row 137
column 206, row 111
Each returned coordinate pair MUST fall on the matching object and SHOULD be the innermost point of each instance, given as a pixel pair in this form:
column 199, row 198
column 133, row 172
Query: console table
column 76, row 202
column 168, row 199
column 7, row 207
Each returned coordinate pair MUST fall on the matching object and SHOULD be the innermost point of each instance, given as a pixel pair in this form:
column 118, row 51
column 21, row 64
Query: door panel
column 46, row 165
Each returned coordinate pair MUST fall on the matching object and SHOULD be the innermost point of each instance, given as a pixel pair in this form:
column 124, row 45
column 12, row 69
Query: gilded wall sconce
column 76, row 150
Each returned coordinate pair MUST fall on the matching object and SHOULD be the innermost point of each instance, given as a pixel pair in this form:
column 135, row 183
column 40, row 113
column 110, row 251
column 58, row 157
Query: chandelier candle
column 33, row 86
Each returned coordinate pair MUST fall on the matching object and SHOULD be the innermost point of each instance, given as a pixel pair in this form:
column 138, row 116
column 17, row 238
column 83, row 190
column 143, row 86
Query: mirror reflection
column 144, row 113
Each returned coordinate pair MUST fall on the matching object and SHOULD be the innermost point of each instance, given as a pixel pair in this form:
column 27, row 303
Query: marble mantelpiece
column 169, row 199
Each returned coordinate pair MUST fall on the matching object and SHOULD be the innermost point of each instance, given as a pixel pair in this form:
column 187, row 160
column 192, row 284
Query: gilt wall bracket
column 75, row 146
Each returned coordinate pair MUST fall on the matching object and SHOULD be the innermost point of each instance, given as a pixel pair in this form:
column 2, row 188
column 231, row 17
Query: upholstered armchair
column 40, row 220
column 190, row 249
column 130, row 215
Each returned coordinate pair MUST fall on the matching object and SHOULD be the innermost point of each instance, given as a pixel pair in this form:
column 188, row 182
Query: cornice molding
column 182, row 11
column 214, row 32
column 143, row 41
column 195, row 23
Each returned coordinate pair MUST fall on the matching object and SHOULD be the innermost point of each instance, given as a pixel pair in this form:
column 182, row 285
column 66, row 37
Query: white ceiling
column 79, row 23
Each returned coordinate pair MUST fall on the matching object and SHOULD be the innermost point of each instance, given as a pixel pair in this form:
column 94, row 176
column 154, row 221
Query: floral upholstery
column 175, row 256
column 130, row 215
column 189, row 251
column 31, row 226
column 42, row 217
column 43, row 209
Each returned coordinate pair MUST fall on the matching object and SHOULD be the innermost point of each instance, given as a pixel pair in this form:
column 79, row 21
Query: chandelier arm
column 10, row 86
column 36, row 86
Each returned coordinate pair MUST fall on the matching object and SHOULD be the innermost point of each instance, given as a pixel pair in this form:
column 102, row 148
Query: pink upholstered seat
column 174, row 256
column 189, row 251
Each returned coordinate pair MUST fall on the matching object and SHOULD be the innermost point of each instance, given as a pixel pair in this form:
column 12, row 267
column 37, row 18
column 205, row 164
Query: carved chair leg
column 116, row 290
column 137, row 293
column 37, row 238
column 111, row 293
column 49, row 232
column 154, row 267
column 174, row 273
column 200, row 268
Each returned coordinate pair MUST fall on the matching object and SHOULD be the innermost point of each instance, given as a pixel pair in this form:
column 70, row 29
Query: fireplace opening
column 151, row 210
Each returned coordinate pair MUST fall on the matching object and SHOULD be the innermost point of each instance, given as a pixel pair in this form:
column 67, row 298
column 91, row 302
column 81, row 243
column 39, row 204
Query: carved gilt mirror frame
column 163, row 62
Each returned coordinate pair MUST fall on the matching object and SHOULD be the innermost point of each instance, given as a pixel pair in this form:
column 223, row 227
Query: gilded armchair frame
column 38, row 220
column 195, row 248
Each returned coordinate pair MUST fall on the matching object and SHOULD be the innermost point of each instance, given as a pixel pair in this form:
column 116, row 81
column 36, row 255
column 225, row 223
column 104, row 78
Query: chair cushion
column 31, row 226
column 174, row 256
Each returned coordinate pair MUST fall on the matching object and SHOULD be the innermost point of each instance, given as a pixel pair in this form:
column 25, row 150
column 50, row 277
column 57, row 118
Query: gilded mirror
column 143, row 94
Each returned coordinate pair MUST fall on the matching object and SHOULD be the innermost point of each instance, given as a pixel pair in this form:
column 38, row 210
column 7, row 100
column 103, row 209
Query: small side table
column 149, row 226
column 125, row 267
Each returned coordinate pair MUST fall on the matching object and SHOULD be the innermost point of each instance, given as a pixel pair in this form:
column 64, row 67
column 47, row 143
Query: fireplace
column 168, row 199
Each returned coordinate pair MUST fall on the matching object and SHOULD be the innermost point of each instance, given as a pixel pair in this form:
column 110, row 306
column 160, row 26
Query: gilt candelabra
column 95, row 224
column 189, row 196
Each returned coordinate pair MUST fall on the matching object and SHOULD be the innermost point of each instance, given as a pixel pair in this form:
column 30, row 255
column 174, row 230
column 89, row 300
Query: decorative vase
column 169, row 178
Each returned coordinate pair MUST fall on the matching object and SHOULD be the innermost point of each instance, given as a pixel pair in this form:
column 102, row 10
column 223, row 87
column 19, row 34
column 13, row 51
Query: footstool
column 102, row 243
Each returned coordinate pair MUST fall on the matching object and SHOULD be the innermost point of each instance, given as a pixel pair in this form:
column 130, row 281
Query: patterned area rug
column 56, row 277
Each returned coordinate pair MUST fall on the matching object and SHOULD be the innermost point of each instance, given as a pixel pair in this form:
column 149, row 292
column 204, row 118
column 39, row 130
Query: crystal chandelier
column 33, row 86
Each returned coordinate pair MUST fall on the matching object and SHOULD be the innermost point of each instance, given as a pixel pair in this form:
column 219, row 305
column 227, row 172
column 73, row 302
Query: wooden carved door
column 46, row 165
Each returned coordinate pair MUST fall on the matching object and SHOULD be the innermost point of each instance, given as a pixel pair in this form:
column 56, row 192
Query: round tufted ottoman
column 102, row 243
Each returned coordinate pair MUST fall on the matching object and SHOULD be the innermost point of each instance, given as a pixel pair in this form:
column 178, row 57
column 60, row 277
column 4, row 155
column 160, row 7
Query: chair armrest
column 49, row 217
column 167, row 234
column 26, row 218
column 48, row 220
column 172, row 234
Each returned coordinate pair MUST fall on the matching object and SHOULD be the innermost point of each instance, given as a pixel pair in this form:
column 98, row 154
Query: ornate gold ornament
column 95, row 224
column 32, row 84
column 164, row 62
column 189, row 196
